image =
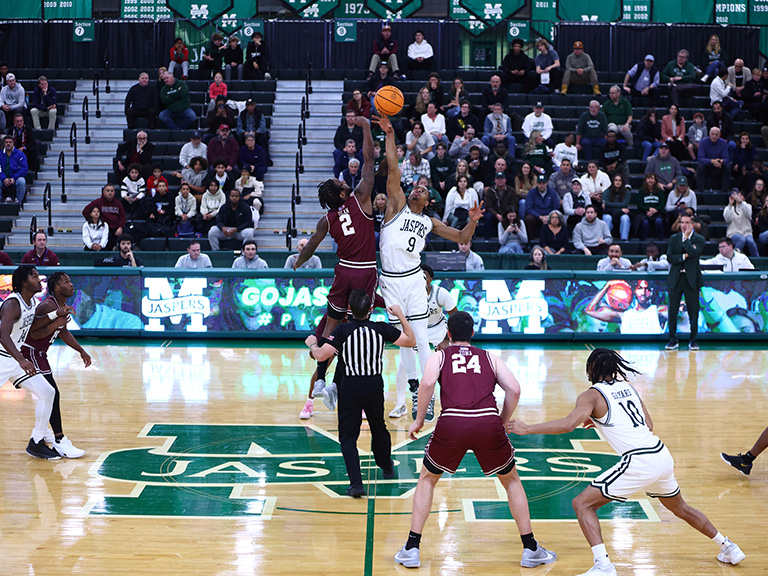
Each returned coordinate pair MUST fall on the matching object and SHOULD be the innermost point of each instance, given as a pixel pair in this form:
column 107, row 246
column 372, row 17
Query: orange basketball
column 619, row 295
column 389, row 100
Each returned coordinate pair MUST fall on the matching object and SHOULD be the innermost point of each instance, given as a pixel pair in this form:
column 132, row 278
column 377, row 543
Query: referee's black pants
column 358, row 393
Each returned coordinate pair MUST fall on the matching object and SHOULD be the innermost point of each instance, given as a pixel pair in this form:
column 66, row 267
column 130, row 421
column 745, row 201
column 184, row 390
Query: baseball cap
column 383, row 64
column 386, row 26
column 682, row 181
column 650, row 57
column 223, row 127
column 250, row 101
column 10, row 76
column 501, row 175
column 664, row 145
column 698, row 115
column 576, row 179
column 577, row 45
column 538, row 105
column 541, row 178
column 196, row 135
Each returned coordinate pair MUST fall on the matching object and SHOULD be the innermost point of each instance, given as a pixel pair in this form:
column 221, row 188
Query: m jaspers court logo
column 162, row 302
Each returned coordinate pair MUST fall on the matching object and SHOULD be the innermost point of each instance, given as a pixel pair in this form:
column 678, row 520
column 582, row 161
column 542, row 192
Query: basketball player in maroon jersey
column 35, row 349
column 350, row 223
column 468, row 420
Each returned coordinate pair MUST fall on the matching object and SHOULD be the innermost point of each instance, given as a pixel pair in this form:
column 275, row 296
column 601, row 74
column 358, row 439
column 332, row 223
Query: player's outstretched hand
column 383, row 123
column 360, row 121
column 476, row 212
column 518, row 427
column 414, row 429
column 86, row 358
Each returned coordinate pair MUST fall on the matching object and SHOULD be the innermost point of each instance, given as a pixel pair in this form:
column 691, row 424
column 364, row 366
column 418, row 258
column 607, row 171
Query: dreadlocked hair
column 328, row 194
column 605, row 365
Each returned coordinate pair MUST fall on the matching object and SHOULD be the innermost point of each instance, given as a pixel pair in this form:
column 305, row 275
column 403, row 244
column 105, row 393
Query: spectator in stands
column 211, row 60
column 512, row 233
column 95, row 231
column 194, row 258
column 474, row 261
column 615, row 156
column 525, row 181
column 462, row 169
column 185, row 208
column 458, row 202
column 501, row 152
column 618, row 113
column 12, row 100
column 458, row 95
column 13, row 172
column 616, row 206
column 384, row 51
column 761, row 215
column 595, row 182
column 348, row 130
column 714, row 161
column 464, row 118
column 132, row 190
column 359, row 105
column 649, row 133
column 192, row 149
column 696, row 133
column 673, row 132
column 125, row 258
column 112, row 212
column 642, row 79
column 420, row 53
column 418, row 107
column 538, row 259
column 224, row 147
column 498, row 128
column 561, row 181
column 566, row 150
column 498, row 199
column 651, row 206
column 232, row 56
column 539, row 202
column 463, row 144
column 738, row 216
column 257, row 61
column 575, row 204
column 225, row 179
column 553, row 236
column 253, row 158
column 137, row 150
column 714, row 59
column 434, row 124
column 680, row 75
column 376, row 82
column 728, row 258
column 654, row 260
column 414, row 167
column 178, row 114
column 160, row 83
column 518, row 68
column 738, row 77
column 724, row 122
column 742, row 159
column 234, row 220
column 614, row 261
column 416, row 140
column 142, row 101
column 157, row 176
column 536, row 152
column 3, row 73
column 351, row 174
column 313, row 262
column 538, row 120
column 476, row 168
column 24, row 140
column 341, row 157
column 441, row 167
column 159, row 214
column 719, row 91
column 249, row 259
column 580, row 70
column 435, row 87
column 493, row 94
column 698, row 225
column 220, row 113
column 499, row 165
column 680, row 198
column 179, row 58
column 591, row 235
column 755, row 93
column 212, row 201
column 44, row 102
column 195, row 176
column 252, row 120
column 252, row 193
column 547, row 67
column 591, row 129
column 40, row 255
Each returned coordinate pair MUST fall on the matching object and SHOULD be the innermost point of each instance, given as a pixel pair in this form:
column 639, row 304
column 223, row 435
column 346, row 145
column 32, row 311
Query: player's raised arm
column 603, row 313
column 465, row 234
column 585, row 405
column 365, row 187
column 507, row 381
column 395, row 192
column 309, row 249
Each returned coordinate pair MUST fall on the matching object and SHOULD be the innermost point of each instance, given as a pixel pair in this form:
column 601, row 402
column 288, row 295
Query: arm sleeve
column 338, row 336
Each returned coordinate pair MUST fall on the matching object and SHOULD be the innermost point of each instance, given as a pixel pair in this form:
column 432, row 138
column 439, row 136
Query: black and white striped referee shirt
column 361, row 345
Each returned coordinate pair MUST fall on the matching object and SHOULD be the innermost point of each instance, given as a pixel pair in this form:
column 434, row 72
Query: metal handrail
column 73, row 144
column 288, row 234
column 96, row 93
column 32, row 229
column 300, row 153
column 61, row 170
column 107, row 88
column 47, row 205
column 293, row 210
column 87, row 122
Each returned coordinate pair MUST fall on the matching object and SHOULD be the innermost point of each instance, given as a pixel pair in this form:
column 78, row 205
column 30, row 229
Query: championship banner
column 319, row 9
column 543, row 18
column 353, row 9
column 200, row 14
column 67, row 9
column 242, row 11
column 590, row 10
column 466, row 20
column 637, row 11
column 731, row 12
column 690, row 12
column 492, row 12
column 385, row 14
column 144, row 9
column 23, row 11
column 395, row 6
column 299, row 6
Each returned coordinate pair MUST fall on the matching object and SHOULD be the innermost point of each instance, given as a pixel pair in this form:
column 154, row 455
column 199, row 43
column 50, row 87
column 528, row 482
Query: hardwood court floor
column 167, row 488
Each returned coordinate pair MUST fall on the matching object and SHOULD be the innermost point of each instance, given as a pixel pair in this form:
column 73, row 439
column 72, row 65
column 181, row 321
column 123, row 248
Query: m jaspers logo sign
column 200, row 12
column 165, row 302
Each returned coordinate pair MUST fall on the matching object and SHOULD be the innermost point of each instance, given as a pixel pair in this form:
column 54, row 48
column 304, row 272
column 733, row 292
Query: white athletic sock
column 601, row 555
column 720, row 540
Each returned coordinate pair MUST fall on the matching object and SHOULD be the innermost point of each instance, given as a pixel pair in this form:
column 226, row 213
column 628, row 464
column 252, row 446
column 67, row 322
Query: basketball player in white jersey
column 642, row 317
column 403, row 236
column 440, row 303
column 17, row 314
column 613, row 406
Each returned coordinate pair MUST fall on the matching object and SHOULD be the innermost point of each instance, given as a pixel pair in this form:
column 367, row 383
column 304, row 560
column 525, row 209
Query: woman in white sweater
column 213, row 200
column 95, row 231
column 719, row 91
column 738, row 216
column 594, row 183
column 460, row 197
column 512, row 233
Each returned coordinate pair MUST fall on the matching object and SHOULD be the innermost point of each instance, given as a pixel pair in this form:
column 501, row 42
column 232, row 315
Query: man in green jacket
column 681, row 75
column 683, row 254
column 178, row 114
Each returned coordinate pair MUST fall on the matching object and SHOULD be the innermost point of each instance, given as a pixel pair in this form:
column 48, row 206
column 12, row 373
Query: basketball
column 619, row 295
column 389, row 100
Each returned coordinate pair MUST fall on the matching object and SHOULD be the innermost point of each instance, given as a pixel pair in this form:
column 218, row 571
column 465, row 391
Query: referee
column 360, row 345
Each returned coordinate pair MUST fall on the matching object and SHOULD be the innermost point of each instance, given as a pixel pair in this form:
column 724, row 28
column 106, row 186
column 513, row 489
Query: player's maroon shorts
column 38, row 359
column 484, row 435
column 346, row 280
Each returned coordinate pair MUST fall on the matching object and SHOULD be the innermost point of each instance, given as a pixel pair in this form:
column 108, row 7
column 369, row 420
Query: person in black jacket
column 493, row 93
column 723, row 121
column 348, row 131
column 220, row 114
column 43, row 102
column 158, row 213
column 517, row 67
column 232, row 55
column 142, row 101
column 234, row 220
column 137, row 150
column 257, row 58
column 383, row 78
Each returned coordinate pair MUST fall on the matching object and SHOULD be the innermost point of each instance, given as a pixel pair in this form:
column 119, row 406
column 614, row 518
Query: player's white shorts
column 409, row 291
column 649, row 469
column 437, row 334
column 10, row 370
